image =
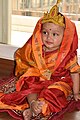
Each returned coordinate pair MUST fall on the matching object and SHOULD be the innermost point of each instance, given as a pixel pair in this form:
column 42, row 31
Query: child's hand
column 36, row 107
column 77, row 97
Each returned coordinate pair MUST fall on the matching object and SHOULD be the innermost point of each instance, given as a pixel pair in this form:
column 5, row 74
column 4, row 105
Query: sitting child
column 47, row 68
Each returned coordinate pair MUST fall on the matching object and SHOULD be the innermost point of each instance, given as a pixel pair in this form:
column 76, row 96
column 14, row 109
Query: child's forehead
column 51, row 26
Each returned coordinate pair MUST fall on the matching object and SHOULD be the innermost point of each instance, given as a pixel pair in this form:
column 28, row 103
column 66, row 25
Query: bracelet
column 32, row 102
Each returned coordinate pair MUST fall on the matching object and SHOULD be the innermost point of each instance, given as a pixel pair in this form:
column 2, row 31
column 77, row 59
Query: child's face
column 52, row 35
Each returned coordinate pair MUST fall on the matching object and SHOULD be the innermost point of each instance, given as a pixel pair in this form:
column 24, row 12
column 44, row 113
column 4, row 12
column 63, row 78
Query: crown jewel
column 54, row 16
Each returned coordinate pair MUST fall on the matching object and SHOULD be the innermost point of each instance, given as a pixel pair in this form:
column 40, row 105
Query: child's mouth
column 48, row 42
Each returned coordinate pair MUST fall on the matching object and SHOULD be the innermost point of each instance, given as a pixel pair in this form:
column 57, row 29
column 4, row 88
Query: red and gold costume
column 44, row 73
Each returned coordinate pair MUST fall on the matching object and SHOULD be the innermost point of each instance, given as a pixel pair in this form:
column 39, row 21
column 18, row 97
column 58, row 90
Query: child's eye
column 55, row 34
column 44, row 32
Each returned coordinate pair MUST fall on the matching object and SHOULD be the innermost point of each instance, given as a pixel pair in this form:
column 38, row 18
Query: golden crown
column 54, row 16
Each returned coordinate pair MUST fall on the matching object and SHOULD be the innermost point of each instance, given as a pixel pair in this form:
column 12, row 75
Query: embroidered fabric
column 8, row 85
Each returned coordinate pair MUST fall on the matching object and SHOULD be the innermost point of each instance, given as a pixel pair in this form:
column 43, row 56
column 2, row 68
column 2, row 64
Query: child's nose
column 50, row 37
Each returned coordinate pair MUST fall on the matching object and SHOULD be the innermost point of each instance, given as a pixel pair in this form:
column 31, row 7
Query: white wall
column 24, row 23
column 7, row 51
column 22, row 29
column 1, row 21
column 5, row 21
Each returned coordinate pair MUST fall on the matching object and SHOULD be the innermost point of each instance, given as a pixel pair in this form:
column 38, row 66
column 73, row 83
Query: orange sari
column 47, row 74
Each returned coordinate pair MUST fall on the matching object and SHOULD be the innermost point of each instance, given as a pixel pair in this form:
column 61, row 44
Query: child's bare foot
column 36, row 107
column 27, row 114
